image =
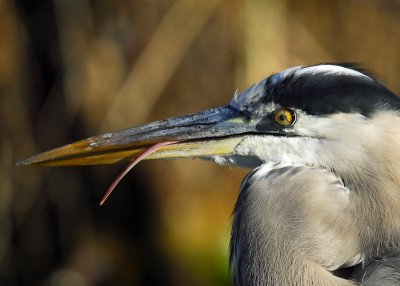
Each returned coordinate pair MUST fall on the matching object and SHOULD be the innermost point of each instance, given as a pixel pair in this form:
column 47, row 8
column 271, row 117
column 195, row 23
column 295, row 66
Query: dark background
column 70, row 69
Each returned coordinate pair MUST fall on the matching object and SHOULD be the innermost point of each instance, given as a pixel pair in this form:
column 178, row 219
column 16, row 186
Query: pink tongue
column 146, row 153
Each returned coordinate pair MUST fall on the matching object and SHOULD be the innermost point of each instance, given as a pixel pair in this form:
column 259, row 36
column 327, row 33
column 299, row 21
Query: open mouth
column 211, row 133
column 214, row 132
column 146, row 153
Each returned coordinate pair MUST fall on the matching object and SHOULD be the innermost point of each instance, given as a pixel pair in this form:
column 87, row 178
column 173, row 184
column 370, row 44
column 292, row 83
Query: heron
column 321, row 205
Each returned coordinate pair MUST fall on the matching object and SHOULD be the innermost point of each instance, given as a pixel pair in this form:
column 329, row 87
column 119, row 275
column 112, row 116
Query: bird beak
column 214, row 132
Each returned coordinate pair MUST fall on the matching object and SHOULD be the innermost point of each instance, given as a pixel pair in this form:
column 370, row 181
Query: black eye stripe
column 328, row 93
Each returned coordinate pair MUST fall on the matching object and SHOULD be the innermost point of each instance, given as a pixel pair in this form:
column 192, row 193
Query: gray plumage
column 339, row 208
column 291, row 224
column 381, row 271
column 322, row 206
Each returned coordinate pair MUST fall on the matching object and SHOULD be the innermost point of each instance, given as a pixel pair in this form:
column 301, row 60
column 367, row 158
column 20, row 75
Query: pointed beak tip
column 25, row 162
column 33, row 161
column 210, row 132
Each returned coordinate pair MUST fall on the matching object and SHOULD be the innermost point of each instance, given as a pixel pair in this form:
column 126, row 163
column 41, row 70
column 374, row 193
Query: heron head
column 324, row 115
column 331, row 116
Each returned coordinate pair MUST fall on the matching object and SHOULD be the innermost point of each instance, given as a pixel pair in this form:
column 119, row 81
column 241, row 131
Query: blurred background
column 70, row 69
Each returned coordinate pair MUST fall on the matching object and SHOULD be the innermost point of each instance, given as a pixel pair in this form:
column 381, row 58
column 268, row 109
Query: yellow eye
column 285, row 117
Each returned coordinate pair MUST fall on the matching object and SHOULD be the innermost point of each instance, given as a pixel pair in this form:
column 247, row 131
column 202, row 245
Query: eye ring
column 285, row 117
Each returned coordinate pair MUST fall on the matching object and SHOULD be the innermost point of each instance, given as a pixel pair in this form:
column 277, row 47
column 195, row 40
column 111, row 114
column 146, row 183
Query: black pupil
column 282, row 117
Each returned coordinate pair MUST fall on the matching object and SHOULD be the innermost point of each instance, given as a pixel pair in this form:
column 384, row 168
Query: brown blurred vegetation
column 73, row 68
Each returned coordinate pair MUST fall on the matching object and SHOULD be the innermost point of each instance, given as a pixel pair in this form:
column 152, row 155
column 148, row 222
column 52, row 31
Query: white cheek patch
column 332, row 127
column 337, row 141
column 273, row 149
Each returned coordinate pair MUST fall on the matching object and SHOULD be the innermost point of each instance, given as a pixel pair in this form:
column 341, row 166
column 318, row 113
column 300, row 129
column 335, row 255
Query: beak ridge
column 202, row 134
